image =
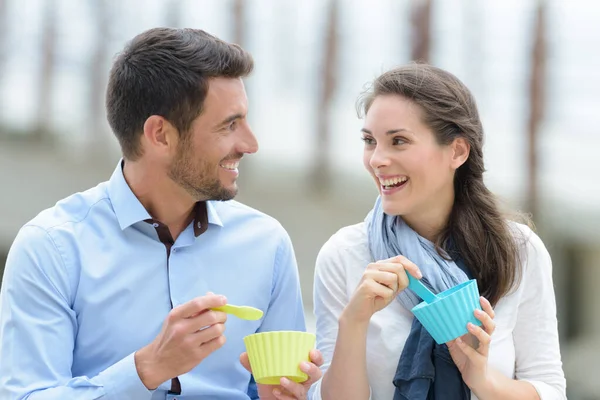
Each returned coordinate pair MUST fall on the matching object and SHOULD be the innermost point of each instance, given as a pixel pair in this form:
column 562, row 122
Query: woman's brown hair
column 476, row 229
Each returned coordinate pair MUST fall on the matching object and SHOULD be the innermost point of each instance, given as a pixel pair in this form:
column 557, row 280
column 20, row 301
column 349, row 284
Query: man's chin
column 228, row 193
column 229, row 196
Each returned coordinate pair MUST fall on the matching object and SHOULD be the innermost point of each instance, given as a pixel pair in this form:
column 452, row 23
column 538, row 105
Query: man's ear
column 160, row 136
column 460, row 152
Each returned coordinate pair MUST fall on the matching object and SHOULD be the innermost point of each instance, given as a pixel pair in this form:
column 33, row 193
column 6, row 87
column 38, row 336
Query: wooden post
column 44, row 105
column 239, row 22
column 96, row 144
column 321, row 168
column 3, row 34
column 421, row 30
column 536, row 105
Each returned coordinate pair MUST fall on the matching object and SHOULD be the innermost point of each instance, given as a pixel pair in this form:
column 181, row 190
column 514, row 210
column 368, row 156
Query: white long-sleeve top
column 524, row 345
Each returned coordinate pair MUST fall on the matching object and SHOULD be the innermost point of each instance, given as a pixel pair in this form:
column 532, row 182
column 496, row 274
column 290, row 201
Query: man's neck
column 162, row 198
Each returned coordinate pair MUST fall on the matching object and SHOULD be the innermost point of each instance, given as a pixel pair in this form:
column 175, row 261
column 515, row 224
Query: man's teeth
column 393, row 181
column 231, row 166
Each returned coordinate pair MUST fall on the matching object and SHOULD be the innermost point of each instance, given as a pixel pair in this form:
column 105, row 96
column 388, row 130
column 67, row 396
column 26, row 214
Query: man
column 108, row 294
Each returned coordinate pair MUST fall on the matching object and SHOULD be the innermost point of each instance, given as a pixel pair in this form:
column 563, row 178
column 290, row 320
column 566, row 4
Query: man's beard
column 201, row 181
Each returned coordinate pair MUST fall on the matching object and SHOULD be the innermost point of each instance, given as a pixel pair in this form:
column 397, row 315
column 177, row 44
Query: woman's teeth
column 393, row 182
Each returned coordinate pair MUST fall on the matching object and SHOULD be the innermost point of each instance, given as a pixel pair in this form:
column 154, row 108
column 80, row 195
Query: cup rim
column 274, row 333
column 454, row 291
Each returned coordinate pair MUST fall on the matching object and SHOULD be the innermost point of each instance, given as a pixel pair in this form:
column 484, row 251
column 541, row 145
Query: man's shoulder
column 233, row 212
column 73, row 209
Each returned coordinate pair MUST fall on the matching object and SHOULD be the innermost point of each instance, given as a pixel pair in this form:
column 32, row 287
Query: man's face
column 207, row 158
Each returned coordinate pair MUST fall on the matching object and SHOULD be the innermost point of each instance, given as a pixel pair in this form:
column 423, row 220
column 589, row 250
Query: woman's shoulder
column 348, row 245
column 348, row 237
column 529, row 244
column 535, row 273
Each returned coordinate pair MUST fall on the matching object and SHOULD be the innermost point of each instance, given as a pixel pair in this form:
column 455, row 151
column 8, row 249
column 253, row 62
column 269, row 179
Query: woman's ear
column 460, row 152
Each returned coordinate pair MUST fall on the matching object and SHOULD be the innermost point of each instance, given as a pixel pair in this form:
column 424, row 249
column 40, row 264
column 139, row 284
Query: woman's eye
column 368, row 140
column 399, row 140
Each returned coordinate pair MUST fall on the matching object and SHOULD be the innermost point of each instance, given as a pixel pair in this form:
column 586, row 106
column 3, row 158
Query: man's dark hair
column 166, row 72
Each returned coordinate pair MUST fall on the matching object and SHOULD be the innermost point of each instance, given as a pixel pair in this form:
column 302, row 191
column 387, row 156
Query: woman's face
column 414, row 174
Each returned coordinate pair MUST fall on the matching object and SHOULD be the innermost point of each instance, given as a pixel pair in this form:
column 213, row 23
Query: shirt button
column 175, row 250
column 155, row 225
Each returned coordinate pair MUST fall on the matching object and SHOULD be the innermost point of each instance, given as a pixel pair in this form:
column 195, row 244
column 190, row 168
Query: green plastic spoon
column 243, row 312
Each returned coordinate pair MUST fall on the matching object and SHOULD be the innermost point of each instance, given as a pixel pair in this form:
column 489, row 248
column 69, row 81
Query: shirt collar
column 127, row 207
column 213, row 216
column 129, row 210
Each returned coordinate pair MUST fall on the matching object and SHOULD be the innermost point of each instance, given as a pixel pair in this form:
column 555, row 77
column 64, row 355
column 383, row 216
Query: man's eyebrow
column 230, row 119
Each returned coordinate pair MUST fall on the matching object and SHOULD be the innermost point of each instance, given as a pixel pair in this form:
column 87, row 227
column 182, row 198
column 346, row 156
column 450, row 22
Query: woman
column 435, row 217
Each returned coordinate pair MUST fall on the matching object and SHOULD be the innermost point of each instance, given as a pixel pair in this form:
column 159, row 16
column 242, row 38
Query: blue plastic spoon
column 421, row 290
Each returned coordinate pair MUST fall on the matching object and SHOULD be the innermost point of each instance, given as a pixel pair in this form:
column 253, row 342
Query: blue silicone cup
column 446, row 318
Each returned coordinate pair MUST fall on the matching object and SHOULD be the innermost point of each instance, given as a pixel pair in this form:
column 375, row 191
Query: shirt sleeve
column 285, row 311
column 537, row 350
column 38, row 330
column 330, row 299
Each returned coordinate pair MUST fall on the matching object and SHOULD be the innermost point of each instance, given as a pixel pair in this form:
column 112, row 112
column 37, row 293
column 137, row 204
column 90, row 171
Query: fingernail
column 470, row 326
column 459, row 340
column 304, row 366
column 285, row 381
column 277, row 392
column 479, row 312
column 223, row 299
column 419, row 274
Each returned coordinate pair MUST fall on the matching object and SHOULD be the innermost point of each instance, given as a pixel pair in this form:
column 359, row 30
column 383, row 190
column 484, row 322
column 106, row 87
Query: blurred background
column 531, row 65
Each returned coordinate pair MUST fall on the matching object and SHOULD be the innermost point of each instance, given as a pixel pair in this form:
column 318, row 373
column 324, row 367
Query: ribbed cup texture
column 446, row 318
column 278, row 354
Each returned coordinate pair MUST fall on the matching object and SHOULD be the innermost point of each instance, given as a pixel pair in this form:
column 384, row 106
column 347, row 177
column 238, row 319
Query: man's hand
column 289, row 390
column 189, row 334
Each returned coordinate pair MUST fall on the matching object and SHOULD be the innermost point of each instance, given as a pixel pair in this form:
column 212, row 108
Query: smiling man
column 108, row 294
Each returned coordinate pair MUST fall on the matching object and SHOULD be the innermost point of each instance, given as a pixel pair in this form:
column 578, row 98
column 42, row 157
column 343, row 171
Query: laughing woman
column 435, row 219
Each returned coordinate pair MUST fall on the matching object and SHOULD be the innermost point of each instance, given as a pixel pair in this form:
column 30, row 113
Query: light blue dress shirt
column 86, row 285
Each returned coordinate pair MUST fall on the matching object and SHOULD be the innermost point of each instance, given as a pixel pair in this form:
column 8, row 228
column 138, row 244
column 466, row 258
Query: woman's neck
column 431, row 220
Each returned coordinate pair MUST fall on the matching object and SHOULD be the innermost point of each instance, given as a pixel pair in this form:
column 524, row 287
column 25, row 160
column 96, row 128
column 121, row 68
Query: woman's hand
column 381, row 282
column 470, row 352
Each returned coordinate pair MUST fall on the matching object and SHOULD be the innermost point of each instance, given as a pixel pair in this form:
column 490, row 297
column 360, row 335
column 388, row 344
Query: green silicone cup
column 278, row 354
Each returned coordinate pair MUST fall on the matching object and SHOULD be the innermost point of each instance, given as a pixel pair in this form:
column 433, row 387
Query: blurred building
column 54, row 139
